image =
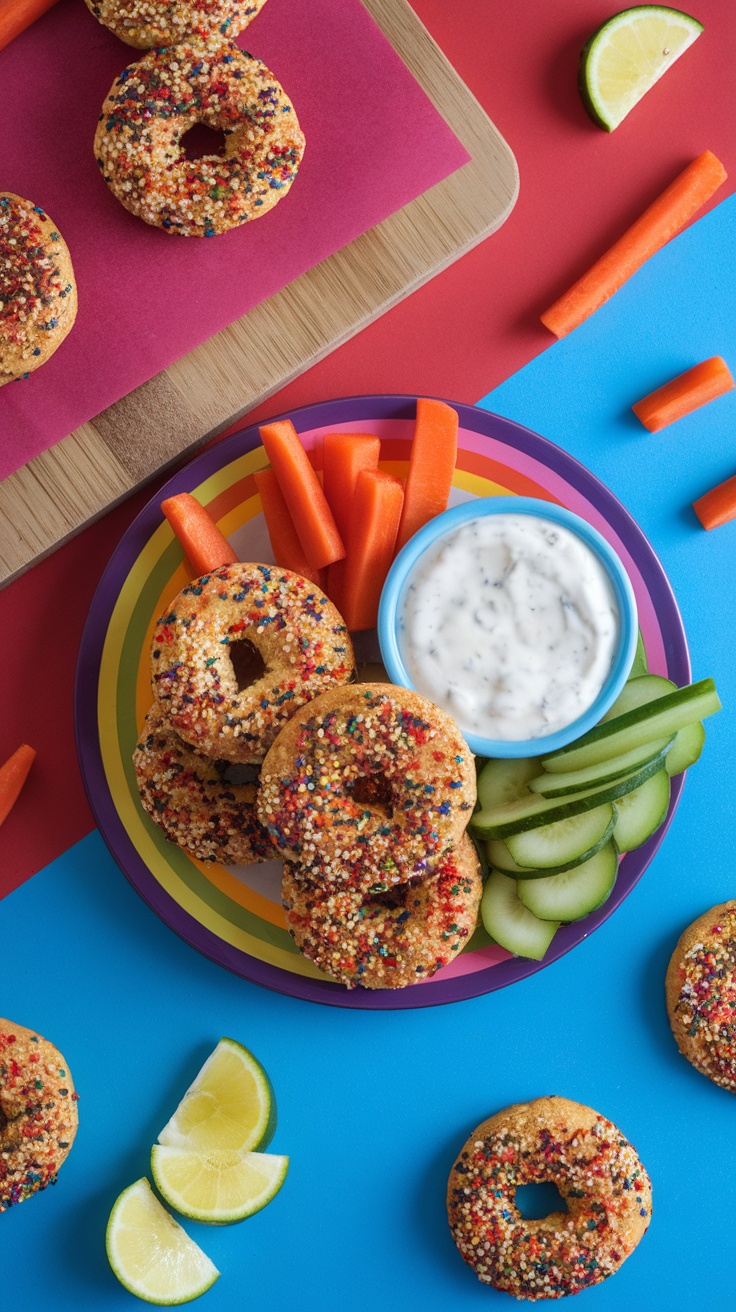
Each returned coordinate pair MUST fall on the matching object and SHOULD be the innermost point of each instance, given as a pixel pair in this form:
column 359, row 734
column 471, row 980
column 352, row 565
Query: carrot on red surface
column 313, row 519
column 431, row 467
column 662, row 220
column 17, row 16
column 204, row 544
column 344, row 456
column 717, row 506
column 685, row 393
column 288, row 551
column 354, row 584
column 13, row 775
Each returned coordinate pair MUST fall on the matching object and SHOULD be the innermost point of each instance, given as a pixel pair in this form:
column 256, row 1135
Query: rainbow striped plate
column 234, row 914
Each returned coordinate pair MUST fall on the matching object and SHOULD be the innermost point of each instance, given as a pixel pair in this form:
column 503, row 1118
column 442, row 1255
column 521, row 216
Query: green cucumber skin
column 535, row 835
column 540, row 897
column 543, row 872
column 639, row 664
column 639, row 691
column 560, row 785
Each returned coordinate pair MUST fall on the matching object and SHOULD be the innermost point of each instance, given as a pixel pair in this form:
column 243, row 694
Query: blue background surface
column 373, row 1106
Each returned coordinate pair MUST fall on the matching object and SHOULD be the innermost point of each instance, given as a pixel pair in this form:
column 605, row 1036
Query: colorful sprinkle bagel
column 149, row 23
column 701, row 994
column 138, row 143
column 297, row 632
column 312, row 802
column 191, row 799
column 38, row 1113
column 391, row 939
column 38, row 295
column 598, row 1173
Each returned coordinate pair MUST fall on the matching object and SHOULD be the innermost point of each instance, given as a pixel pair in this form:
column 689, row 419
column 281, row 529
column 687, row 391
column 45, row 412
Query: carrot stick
column 345, row 454
column 17, row 16
column 355, row 584
column 661, row 221
column 717, row 506
column 204, row 544
column 287, row 549
column 681, row 395
column 431, row 467
column 13, row 775
column 303, row 494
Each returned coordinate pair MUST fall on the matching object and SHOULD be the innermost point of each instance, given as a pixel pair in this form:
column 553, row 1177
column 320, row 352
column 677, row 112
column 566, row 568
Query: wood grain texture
column 57, row 493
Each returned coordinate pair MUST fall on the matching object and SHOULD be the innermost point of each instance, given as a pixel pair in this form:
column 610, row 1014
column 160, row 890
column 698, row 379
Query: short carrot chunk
column 13, row 775
column 703, row 383
column 355, row 584
column 302, row 491
column 288, row 551
column 431, row 467
column 717, row 506
column 205, row 546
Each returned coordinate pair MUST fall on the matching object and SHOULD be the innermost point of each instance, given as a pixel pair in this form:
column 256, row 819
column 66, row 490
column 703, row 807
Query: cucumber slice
column 500, row 858
column 639, row 663
column 559, row 785
column 638, row 692
column 532, row 811
column 686, row 749
column 642, row 725
column 575, row 894
column 564, row 841
column 502, row 781
column 641, row 812
column 510, row 923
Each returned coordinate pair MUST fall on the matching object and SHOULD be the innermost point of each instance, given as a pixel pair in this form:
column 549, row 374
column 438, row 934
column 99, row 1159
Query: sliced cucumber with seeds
column 641, row 812
column 502, row 781
column 510, row 923
column 575, row 894
column 641, row 725
column 686, row 749
column 501, row 859
column 563, row 841
column 572, row 781
column 639, row 691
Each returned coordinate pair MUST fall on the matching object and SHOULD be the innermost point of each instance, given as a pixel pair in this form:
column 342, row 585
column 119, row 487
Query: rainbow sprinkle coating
column 701, row 995
column 149, row 23
column 138, row 143
column 38, row 1113
column 598, row 1174
column 38, row 297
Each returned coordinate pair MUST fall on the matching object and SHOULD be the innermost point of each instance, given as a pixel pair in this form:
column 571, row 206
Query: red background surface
column 457, row 337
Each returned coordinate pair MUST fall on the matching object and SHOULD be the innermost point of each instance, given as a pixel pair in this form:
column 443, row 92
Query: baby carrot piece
column 204, row 544
column 717, row 506
column 287, row 549
column 355, row 584
column 16, row 17
column 703, row 383
column 13, row 775
column 313, row 519
column 661, row 221
column 345, row 454
column 431, row 467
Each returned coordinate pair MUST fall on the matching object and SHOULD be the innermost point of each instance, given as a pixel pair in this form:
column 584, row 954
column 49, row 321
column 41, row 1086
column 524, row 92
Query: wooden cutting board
column 78, row 479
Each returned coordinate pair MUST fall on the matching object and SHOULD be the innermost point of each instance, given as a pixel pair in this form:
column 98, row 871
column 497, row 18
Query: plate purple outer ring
column 438, row 991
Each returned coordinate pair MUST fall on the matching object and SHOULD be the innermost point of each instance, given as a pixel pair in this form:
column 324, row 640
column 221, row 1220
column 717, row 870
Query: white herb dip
column 509, row 623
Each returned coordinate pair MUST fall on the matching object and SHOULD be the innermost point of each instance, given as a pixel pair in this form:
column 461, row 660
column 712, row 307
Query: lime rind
column 627, row 55
column 151, row 1254
column 217, row 1188
column 229, row 1105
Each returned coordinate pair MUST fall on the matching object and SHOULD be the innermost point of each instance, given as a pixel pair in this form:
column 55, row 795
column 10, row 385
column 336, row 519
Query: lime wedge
column 229, row 1107
column 627, row 55
column 150, row 1253
column 219, row 1186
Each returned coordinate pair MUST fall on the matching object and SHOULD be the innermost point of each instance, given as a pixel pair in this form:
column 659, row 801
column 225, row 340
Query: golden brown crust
column 701, row 994
column 393, row 939
column 149, row 108
column 38, row 1113
column 149, row 23
column 597, row 1172
column 309, row 796
column 38, row 293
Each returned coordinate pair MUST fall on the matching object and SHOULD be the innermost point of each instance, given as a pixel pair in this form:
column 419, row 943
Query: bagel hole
column 535, row 1201
column 248, row 664
column 200, row 140
column 373, row 790
column 237, row 773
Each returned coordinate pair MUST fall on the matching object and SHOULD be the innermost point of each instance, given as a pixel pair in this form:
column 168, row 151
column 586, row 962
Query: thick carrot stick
column 287, row 549
column 717, row 506
column 355, row 584
column 13, row 775
column 204, row 544
column 661, row 221
column 681, row 395
column 431, row 467
column 17, row 15
column 345, row 455
column 303, row 494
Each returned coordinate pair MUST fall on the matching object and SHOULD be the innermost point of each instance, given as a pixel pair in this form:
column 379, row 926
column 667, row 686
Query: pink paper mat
column 374, row 142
